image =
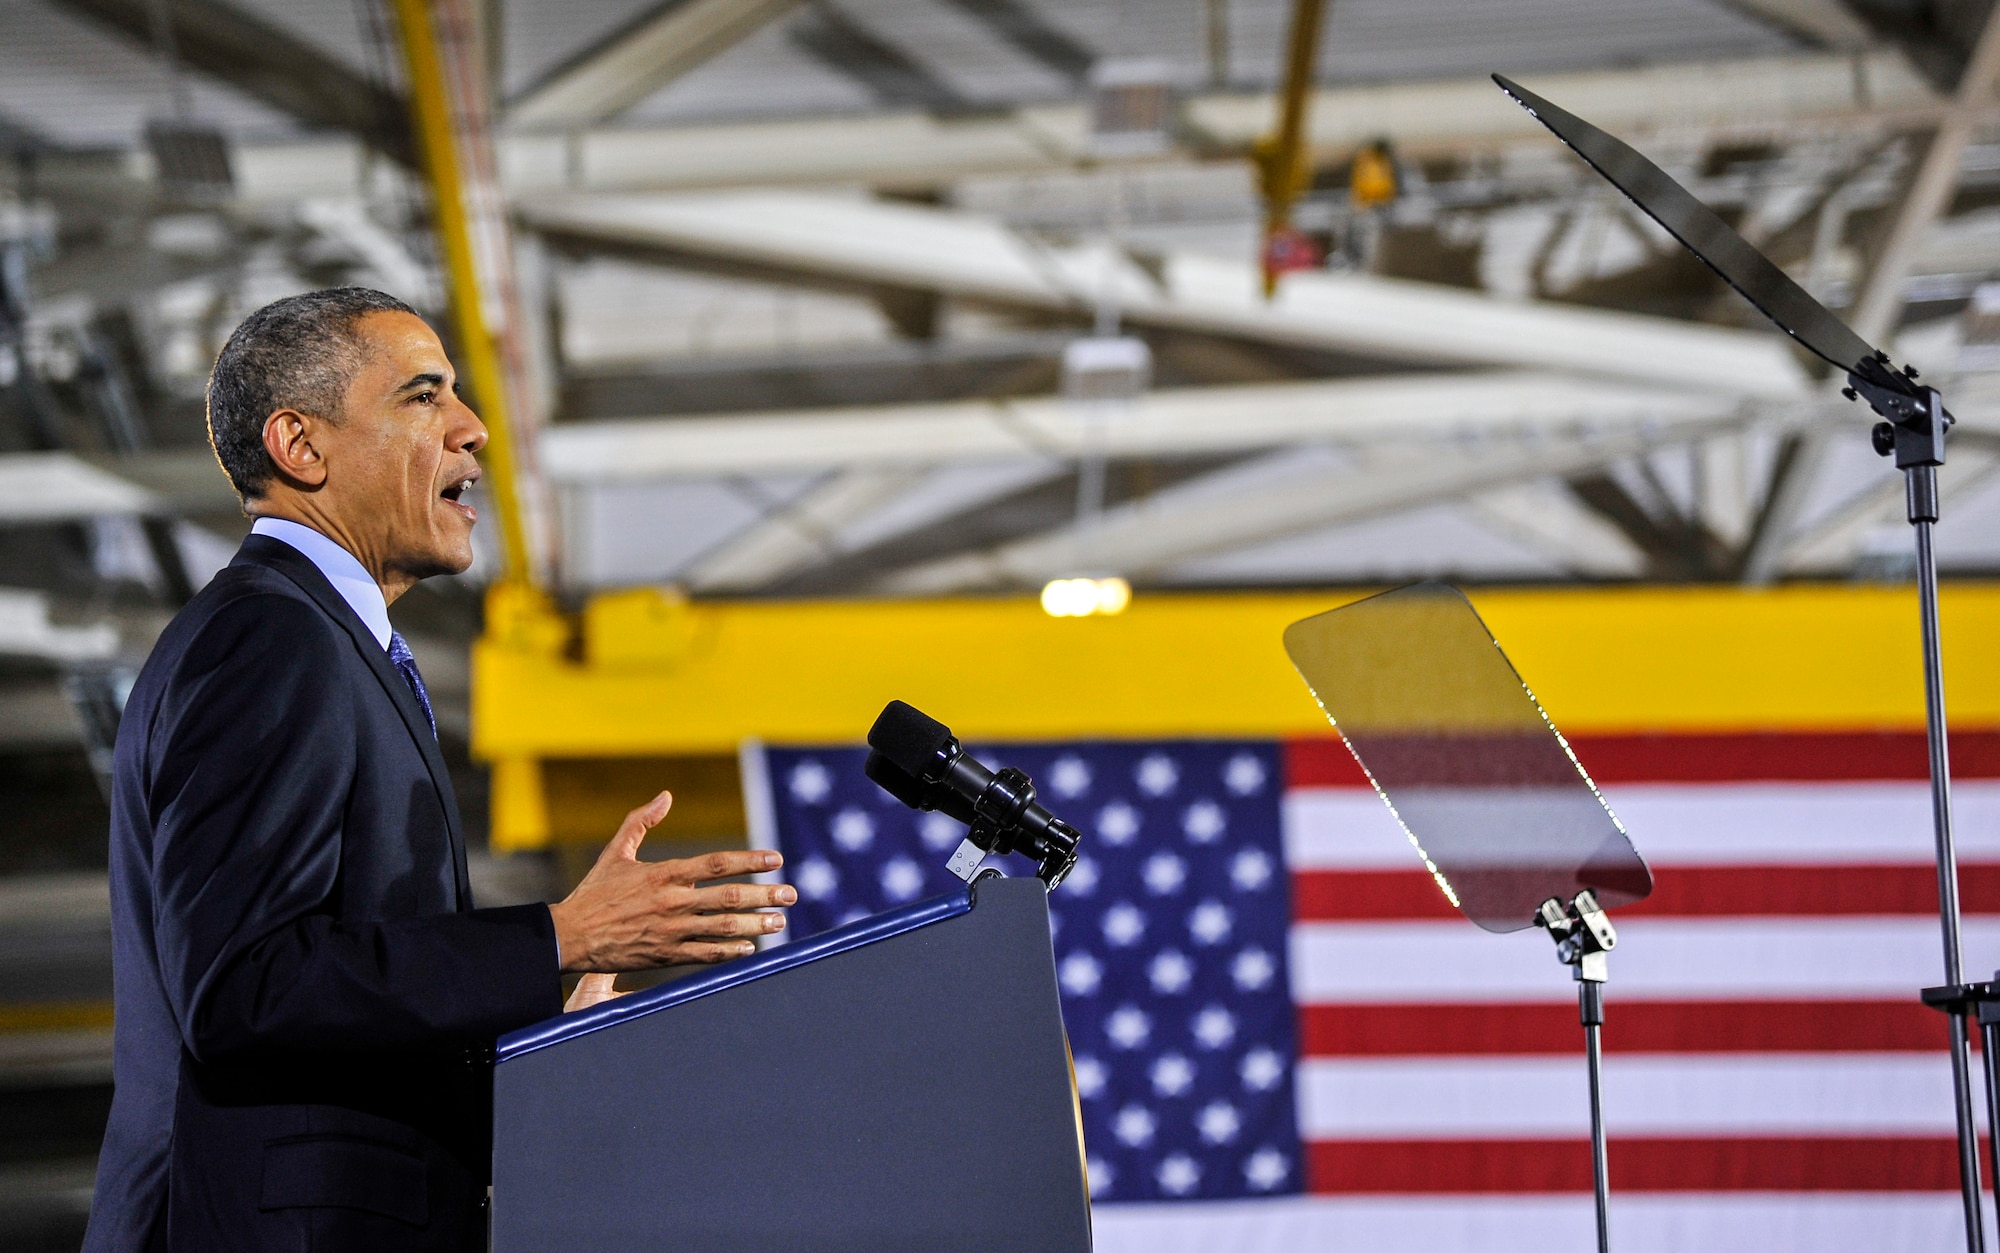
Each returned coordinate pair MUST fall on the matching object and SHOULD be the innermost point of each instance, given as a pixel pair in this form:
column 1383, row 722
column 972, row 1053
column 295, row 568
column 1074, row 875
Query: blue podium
column 899, row 1083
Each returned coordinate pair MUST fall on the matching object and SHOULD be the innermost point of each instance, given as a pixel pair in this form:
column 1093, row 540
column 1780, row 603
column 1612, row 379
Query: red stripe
column 1774, row 756
column 1678, row 892
column 1638, row 1164
column 1901, row 1026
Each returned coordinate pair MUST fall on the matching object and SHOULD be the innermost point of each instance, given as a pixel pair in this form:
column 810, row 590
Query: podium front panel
column 882, row 1087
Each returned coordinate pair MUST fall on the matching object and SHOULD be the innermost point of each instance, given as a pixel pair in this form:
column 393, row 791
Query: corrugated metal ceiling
column 75, row 83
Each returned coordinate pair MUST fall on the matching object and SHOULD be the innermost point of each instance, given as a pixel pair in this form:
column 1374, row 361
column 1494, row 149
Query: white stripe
column 1713, row 1095
column 1689, row 824
column 1811, row 1222
column 1656, row 958
column 1343, row 829
column 760, row 816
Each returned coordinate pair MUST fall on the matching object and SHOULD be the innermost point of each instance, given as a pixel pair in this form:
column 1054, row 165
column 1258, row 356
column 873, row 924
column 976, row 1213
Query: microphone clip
column 997, row 827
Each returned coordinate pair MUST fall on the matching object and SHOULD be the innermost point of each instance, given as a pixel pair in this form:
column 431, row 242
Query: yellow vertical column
column 1282, row 168
column 431, row 110
column 519, row 805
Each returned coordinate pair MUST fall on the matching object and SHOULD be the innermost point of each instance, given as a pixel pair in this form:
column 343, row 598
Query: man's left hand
column 592, row 990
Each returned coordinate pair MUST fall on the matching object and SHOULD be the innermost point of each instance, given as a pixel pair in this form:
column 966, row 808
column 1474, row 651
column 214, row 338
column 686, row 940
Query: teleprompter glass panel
column 1498, row 807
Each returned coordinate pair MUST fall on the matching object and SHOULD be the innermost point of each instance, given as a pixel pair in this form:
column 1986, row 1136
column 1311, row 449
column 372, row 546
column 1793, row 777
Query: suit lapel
column 296, row 566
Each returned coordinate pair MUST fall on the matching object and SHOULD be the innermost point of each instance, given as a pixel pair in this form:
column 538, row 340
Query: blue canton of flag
column 1170, row 940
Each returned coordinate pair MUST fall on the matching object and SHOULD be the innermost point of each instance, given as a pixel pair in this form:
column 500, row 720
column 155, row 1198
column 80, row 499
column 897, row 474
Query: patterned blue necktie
column 406, row 665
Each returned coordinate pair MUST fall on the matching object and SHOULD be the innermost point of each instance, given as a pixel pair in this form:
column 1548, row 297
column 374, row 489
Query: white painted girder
column 862, row 241
column 1831, row 545
column 1734, row 98
column 1192, row 520
column 1723, row 497
column 882, row 150
column 1546, row 516
column 1742, row 99
column 1881, row 301
column 675, row 37
column 1749, row 96
column 58, row 487
column 1829, row 22
column 25, row 631
column 804, row 531
column 1176, row 422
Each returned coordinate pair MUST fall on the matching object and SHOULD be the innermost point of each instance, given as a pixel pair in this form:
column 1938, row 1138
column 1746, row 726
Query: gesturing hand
column 634, row 915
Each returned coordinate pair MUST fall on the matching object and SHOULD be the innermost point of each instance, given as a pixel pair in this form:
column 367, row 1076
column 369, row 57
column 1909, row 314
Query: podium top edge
column 633, row 1005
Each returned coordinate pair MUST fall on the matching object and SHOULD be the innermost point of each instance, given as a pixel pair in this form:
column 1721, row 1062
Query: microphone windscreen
column 894, row 780
column 909, row 737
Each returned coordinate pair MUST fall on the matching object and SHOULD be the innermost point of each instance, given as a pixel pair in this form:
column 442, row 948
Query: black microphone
column 916, row 759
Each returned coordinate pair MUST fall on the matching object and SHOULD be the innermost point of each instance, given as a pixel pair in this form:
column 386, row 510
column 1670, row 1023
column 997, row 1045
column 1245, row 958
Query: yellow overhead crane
column 651, row 676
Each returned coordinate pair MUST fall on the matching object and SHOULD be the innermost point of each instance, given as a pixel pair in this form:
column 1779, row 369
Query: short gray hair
column 297, row 353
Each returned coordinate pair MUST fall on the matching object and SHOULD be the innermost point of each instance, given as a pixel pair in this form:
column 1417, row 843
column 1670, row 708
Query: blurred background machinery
column 773, row 300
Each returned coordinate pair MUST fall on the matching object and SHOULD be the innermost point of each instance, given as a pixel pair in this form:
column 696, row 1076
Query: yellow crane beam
column 659, row 676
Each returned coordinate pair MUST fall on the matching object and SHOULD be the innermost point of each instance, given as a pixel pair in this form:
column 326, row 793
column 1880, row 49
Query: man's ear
column 288, row 441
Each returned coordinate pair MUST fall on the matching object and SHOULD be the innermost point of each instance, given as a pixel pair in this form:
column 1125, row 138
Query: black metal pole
column 1590, row 1000
column 1920, row 482
column 1991, row 1056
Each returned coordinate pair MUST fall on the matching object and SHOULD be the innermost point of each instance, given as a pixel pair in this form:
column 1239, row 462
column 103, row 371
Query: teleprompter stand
column 1912, row 430
column 1584, row 939
column 1495, row 804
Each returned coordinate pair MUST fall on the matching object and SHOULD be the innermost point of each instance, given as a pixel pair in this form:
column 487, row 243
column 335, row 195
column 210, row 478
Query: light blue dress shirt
column 348, row 576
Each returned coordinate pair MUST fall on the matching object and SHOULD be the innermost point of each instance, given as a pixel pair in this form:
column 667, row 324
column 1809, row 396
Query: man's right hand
column 629, row 914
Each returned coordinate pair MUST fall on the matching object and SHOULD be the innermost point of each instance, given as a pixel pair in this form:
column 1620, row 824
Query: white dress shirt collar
column 348, row 576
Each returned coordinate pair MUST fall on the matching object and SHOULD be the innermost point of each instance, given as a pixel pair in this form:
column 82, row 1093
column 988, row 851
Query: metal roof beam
column 1830, row 545
column 1028, row 31
column 1466, row 408
column 58, row 487
column 864, row 242
column 262, row 60
column 918, row 150
column 38, row 487
column 1545, row 516
column 848, row 47
column 1826, row 23
column 633, row 62
column 805, row 531
column 1239, row 507
column 1881, row 302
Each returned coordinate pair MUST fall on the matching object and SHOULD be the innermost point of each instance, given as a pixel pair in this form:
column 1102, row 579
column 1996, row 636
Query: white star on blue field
column 1169, row 940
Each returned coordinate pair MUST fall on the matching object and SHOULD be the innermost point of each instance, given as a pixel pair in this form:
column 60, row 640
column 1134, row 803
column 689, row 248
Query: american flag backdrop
column 1286, row 1038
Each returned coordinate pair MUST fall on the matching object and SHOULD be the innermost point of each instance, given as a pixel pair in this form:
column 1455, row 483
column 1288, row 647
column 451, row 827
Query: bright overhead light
column 1081, row 598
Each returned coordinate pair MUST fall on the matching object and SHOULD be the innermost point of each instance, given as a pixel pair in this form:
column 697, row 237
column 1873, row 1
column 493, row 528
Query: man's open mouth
column 452, row 496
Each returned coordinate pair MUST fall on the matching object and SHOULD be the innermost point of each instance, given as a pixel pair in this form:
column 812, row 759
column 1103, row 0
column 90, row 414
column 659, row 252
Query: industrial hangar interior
column 1045, row 358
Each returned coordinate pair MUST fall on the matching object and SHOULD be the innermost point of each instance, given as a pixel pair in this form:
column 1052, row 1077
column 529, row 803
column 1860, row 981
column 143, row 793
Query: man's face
column 402, row 455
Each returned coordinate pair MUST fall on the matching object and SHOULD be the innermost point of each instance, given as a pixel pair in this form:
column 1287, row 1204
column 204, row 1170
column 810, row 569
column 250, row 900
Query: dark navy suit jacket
column 305, row 996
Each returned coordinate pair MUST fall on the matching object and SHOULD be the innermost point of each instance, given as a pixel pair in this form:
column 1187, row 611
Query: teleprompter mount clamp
column 916, row 759
column 1912, row 430
column 1583, row 934
column 1584, row 939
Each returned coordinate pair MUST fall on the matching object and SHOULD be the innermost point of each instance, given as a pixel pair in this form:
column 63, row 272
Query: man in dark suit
column 305, row 993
